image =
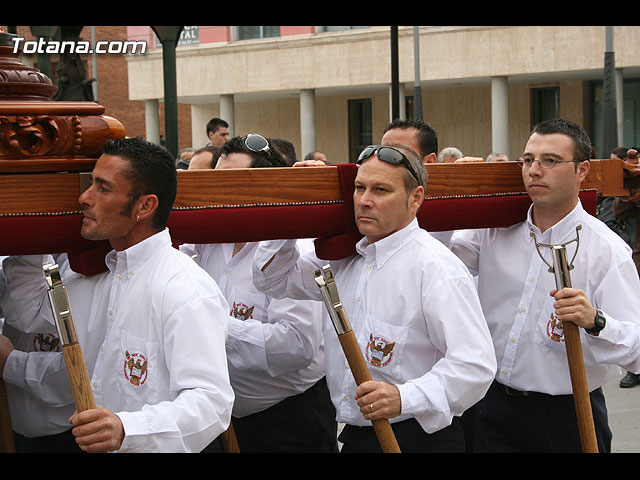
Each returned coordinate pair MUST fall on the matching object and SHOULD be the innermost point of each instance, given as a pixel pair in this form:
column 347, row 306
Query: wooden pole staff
column 560, row 268
column 351, row 348
column 7, row 444
column 229, row 440
column 71, row 349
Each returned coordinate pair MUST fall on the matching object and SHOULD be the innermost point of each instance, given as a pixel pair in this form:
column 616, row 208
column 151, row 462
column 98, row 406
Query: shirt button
column 95, row 384
column 513, row 340
column 523, row 309
column 110, row 312
column 119, row 277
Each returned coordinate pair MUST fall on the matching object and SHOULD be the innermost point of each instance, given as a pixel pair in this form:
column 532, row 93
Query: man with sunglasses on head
column 274, row 347
column 413, row 308
column 530, row 406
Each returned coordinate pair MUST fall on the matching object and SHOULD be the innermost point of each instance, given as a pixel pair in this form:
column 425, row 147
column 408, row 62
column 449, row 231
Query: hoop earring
column 137, row 218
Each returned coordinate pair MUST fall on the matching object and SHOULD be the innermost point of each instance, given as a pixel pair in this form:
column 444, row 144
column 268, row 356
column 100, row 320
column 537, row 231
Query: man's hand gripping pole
column 324, row 279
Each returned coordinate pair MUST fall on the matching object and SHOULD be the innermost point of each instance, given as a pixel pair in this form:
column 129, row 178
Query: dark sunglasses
column 257, row 143
column 389, row 155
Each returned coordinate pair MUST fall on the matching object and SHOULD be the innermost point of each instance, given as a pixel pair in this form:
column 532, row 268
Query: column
column 620, row 105
column 227, row 112
column 402, row 103
column 152, row 120
column 500, row 115
column 307, row 122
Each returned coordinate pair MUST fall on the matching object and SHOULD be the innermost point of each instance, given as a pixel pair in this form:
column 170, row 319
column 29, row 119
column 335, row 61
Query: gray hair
column 449, row 152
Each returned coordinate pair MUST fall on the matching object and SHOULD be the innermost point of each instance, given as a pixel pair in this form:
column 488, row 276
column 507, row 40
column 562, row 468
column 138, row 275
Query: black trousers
column 304, row 423
column 61, row 443
column 410, row 436
column 508, row 421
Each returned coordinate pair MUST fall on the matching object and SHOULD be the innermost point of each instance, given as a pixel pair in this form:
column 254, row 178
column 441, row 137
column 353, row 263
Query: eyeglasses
column 389, row 155
column 547, row 163
column 257, row 143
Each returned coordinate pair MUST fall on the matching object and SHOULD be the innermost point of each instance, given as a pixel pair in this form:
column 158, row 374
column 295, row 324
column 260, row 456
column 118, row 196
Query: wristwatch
column 600, row 324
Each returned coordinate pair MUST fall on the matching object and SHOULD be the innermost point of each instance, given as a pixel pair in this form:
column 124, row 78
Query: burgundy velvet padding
column 442, row 214
column 332, row 225
column 41, row 234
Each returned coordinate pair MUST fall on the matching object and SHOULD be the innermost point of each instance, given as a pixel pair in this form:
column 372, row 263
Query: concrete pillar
column 152, row 120
column 307, row 122
column 402, row 102
column 500, row 115
column 620, row 105
column 227, row 112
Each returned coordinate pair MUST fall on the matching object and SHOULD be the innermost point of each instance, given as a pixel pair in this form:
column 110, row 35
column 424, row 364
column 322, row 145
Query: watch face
column 600, row 323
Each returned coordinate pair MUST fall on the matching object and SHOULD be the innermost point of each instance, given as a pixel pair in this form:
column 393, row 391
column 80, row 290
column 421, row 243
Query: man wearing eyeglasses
column 530, row 407
column 274, row 346
column 413, row 308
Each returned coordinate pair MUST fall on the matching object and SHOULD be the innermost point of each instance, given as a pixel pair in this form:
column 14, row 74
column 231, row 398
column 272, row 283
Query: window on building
column 630, row 114
column 545, row 104
column 338, row 29
column 248, row 32
column 360, row 126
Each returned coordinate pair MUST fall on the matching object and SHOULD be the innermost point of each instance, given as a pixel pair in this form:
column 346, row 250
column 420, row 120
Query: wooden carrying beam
column 41, row 210
column 55, row 192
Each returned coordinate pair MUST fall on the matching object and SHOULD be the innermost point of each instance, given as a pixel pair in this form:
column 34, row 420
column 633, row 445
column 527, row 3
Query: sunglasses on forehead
column 387, row 154
column 257, row 143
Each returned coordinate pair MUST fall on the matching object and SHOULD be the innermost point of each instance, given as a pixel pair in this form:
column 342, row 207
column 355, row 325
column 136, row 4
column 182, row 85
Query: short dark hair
column 215, row 153
column 151, row 170
column 215, row 123
column 581, row 141
column 620, row 152
column 273, row 158
column 286, row 148
column 427, row 135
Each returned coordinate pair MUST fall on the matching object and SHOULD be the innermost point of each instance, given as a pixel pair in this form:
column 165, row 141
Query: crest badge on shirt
column 379, row 351
column 554, row 329
column 242, row 311
column 46, row 342
column 135, row 368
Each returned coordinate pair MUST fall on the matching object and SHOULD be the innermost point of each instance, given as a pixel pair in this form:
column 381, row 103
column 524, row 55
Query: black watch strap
column 600, row 324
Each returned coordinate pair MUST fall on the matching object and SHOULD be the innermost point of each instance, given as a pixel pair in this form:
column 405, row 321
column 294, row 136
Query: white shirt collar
column 561, row 232
column 384, row 248
column 135, row 256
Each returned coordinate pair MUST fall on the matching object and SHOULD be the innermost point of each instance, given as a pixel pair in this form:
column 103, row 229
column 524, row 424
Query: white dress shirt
column 413, row 308
column 152, row 330
column 37, row 406
column 274, row 347
column 514, row 285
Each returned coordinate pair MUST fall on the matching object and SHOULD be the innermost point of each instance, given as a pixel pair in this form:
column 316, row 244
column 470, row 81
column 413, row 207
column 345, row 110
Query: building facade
column 329, row 87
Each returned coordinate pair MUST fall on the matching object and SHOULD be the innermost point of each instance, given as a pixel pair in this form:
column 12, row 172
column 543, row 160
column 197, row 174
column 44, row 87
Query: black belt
column 512, row 392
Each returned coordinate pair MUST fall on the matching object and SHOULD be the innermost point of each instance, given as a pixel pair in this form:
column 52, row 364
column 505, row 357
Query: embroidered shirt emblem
column 554, row 329
column 46, row 342
column 241, row 311
column 379, row 351
column 135, row 368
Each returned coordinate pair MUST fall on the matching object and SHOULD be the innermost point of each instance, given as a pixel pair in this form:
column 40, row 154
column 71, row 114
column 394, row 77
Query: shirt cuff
column 14, row 368
column 415, row 401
